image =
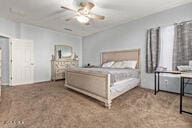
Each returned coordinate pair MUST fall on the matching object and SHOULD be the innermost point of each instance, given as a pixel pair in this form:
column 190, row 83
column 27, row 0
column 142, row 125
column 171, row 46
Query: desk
column 157, row 77
column 183, row 77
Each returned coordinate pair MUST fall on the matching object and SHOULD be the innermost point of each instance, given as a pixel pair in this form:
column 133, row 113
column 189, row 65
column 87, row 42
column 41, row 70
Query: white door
column 22, row 62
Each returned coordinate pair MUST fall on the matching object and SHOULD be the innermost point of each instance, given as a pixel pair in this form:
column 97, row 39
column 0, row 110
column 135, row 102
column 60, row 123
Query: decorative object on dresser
column 0, row 71
column 63, row 57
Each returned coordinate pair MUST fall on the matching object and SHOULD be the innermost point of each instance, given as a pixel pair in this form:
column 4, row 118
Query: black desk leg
column 155, row 82
column 158, row 81
column 182, row 92
column 181, row 95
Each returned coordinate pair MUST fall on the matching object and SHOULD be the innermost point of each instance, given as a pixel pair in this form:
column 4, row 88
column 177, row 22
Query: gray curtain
column 152, row 49
column 182, row 51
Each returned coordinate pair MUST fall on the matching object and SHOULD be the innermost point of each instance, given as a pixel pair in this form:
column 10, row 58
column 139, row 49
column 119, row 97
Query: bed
column 105, row 84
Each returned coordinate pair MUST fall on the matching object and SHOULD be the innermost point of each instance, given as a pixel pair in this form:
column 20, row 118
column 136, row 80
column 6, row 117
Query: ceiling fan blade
column 68, row 9
column 87, row 5
column 94, row 16
column 68, row 19
column 87, row 24
column 71, row 18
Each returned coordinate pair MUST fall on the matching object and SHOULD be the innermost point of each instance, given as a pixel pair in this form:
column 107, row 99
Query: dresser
column 58, row 68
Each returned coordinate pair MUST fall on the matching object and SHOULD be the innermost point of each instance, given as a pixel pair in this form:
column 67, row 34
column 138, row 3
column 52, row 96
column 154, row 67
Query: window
column 169, row 47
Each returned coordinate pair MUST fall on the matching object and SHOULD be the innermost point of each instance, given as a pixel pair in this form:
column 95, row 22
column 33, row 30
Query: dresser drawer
column 60, row 65
column 74, row 63
column 67, row 62
column 59, row 70
column 60, row 75
column 63, row 67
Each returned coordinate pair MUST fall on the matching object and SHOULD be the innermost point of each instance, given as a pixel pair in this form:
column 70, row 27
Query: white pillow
column 125, row 64
column 117, row 65
column 129, row 64
column 108, row 64
column 184, row 68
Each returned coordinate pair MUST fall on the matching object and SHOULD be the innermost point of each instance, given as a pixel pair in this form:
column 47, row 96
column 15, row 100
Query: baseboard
column 47, row 81
column 146, row 88
column 40, row 82
column 5, row 84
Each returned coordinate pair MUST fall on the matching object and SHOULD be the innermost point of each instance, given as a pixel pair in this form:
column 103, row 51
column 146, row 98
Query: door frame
column 9, row 44
column 10, row 83
column 10, row 62
column 10, row 57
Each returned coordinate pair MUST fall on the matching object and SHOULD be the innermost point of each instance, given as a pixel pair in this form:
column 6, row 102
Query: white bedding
column 124, row 85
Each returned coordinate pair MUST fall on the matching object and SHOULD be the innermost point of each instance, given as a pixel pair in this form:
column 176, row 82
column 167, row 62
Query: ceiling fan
column 83, row 14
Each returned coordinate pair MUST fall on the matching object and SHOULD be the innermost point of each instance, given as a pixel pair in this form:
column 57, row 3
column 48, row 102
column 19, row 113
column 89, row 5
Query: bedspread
column 116, row 74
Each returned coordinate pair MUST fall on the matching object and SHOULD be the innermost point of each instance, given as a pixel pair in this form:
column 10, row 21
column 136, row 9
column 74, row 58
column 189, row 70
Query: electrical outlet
column 166, row 83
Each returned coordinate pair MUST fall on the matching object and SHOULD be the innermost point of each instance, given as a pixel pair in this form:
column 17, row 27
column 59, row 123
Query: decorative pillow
column 108, row 64
column 129, row 64
column 117, row 64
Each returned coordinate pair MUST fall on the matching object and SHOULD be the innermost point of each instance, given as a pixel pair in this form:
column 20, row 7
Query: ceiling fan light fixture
column 82, row 19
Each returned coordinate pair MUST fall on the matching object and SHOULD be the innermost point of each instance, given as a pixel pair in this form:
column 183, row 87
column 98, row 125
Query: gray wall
column 4, row 45
column 44, row 41
column 133, row 35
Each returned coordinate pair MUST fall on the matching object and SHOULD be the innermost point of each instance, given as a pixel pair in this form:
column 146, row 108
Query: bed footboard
column 96, row 85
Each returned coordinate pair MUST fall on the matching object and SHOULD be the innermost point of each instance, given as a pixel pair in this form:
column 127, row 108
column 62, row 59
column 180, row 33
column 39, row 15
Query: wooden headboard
column 132, row 54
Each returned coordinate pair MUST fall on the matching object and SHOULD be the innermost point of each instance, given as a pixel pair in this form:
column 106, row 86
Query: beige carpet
column 50, row 105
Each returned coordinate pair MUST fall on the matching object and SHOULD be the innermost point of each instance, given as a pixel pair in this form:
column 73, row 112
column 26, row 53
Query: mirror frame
column 56, row 55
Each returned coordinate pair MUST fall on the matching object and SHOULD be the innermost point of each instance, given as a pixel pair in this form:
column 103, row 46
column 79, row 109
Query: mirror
column 63, row 51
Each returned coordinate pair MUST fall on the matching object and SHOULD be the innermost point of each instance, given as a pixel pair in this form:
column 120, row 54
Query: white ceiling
column 48, row 14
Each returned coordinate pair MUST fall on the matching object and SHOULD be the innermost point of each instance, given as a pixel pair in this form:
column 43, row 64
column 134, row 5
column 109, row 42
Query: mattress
column 123, row 85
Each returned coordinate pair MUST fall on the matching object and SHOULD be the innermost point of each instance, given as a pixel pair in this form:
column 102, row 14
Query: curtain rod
column 173, row 24
column 184, row 22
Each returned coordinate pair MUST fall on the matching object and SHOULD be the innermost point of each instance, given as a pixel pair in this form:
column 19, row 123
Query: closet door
column 22, row 62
